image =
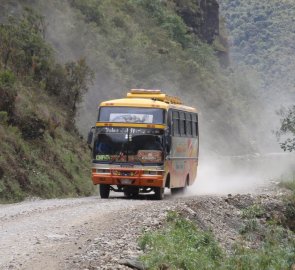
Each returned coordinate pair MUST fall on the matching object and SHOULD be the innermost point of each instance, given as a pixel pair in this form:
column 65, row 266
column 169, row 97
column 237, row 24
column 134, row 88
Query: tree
column 287, row 129
column 22, row 45
column 78, row 75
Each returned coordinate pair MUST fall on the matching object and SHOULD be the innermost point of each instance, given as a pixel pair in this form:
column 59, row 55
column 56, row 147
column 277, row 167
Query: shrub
column 3, row 117
column 253, row 211
column 31, row 126
column 276, row 252
column 90, row 9
column 55, row 81
column 22, row 46
column 78, row 75
column 287, row 128
column 180, row 245
column 7, row 78
column 7, row 92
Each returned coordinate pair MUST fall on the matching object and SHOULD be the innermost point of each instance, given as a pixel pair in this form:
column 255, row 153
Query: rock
column 133, row 263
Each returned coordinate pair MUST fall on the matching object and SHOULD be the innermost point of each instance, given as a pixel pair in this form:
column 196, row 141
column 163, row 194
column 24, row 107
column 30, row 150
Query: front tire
column 159, row 193
column 104, row 191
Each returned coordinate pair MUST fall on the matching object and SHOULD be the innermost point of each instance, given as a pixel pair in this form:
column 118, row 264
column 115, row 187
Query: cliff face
column 203, row 19
column 201, row 16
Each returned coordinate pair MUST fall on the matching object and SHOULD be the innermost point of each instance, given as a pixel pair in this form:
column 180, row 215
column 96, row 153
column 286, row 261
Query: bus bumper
column 119, row 180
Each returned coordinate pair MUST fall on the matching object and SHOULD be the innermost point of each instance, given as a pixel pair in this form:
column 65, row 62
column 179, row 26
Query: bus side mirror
column 90, row 136
column 168, row 144
column 168, row 148
column 168, row 141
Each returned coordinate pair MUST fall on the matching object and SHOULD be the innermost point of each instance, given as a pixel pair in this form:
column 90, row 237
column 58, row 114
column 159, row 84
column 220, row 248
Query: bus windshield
column 133, row 145
column 131, row 115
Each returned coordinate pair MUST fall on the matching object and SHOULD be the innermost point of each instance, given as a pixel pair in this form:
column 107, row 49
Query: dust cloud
column 242, row 174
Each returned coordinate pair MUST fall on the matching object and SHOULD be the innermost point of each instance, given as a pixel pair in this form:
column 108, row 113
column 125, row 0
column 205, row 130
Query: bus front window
column 128, row 148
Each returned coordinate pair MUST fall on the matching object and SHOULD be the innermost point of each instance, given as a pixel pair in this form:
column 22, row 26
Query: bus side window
column 188, row 117
column 175, row 117
column 182, row 124
column 195, row 125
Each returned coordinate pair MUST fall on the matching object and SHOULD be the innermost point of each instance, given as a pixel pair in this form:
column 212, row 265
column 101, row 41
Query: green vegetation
column 275, row 252
column 287, row 128
column 290, row 202
column 153, row 44
column 41, row 152
column 181, row 245
column 253, row 211
column 262, row 34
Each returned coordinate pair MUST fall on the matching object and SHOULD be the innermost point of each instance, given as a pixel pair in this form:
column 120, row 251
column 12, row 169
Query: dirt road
column 49, row 234
column 91, row 233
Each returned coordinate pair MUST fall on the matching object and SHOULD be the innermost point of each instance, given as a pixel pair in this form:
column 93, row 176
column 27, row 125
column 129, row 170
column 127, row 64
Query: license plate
column 126, row 181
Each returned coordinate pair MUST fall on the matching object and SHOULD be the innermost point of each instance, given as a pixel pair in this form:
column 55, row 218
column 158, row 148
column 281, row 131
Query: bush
column 180, row 245
column 290, row 204
column 78, row 75
column 276, row 252
column 287, row 128
column 32, row 127
column 7, row 79
column 253, row 211
column 22, row 46
column 69, row 82
column 90, row 9
column 7, row 92
column 3, row 117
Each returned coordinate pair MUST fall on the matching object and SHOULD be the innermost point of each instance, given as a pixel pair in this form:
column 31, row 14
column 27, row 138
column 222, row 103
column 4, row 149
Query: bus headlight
column 104, row 171
column 153, row 172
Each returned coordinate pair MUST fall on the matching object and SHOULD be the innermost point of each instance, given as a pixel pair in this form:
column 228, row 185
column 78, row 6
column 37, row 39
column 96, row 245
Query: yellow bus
column 144, row 143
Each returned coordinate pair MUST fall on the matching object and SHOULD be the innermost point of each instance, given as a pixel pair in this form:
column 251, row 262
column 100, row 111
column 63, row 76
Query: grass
column 46, row 168
column 182, row 245
column 289, row 183
column 253, row 211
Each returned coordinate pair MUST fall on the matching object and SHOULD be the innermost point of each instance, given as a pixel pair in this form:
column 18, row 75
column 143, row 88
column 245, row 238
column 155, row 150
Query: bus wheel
column 159, row 193
column 104, row 191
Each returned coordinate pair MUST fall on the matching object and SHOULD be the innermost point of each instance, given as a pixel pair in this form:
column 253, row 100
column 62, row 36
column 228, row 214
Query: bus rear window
column 131, row 115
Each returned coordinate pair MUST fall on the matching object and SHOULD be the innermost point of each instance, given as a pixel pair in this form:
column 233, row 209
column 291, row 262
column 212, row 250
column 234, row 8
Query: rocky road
column 91, row 233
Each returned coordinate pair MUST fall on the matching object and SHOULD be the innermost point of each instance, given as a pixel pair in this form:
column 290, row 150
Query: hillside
column 178, row 46
column 41, row 152
column 156, row 44
column 262, row 35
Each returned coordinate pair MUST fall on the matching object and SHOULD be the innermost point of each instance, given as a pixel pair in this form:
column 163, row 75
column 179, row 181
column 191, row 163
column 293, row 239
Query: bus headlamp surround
column 152, row 172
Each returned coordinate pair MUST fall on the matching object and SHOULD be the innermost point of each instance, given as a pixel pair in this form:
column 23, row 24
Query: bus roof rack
column 153, row 94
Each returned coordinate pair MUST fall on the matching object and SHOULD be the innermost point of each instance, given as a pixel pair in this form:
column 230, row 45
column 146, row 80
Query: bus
column 145, row 142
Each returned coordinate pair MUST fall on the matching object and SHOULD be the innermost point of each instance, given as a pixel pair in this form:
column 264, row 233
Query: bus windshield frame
column 135, row 145
column 136, row 115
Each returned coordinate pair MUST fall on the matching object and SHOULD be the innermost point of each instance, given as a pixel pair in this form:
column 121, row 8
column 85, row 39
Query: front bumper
column 128, row 177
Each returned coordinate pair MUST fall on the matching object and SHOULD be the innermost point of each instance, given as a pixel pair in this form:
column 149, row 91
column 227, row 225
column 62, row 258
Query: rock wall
column 201, row 16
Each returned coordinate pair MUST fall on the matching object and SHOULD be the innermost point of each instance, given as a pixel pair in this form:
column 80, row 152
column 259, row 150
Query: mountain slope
column 147, row 44
column 262, row 35
column 41, row 153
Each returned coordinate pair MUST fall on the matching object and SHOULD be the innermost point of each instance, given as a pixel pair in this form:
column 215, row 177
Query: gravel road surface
column 91, row 233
